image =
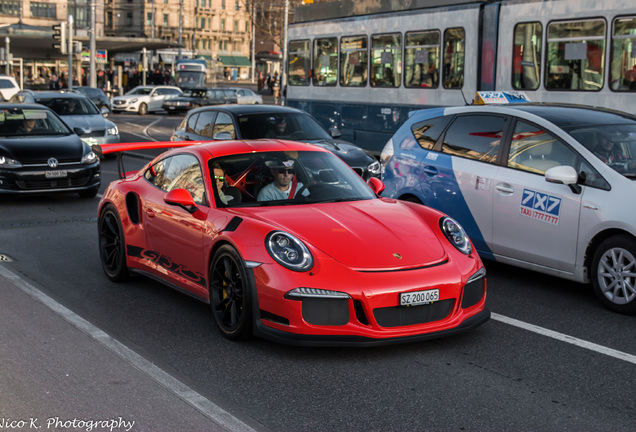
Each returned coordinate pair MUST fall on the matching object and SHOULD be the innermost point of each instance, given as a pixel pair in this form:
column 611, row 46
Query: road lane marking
column 190, row 396
column 565, row 338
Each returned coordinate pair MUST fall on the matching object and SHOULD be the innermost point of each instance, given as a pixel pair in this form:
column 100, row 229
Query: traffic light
column 60, row 35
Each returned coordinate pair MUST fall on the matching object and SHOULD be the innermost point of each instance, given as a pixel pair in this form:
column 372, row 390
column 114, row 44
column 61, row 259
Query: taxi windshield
column 615, row 145
column 285, row 178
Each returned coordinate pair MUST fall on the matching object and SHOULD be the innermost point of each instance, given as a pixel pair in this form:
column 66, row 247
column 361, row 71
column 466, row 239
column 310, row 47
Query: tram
column 362, row 66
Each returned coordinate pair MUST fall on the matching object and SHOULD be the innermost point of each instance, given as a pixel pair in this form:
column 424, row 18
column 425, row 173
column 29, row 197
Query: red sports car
column 287, row 242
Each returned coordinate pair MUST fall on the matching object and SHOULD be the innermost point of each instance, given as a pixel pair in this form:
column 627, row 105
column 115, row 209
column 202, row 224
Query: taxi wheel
column 230, row 294
column 614, row 274
column 112, row 247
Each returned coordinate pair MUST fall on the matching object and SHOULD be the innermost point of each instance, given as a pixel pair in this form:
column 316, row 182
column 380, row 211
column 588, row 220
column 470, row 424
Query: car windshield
column 271, row 178
column 140, row 91
column 615, row 145
column 18, row 122
column 283, row 125
column 70, row 106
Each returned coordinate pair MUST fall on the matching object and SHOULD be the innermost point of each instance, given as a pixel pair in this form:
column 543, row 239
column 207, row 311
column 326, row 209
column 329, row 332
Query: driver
column 610, row 153
column 284, row 185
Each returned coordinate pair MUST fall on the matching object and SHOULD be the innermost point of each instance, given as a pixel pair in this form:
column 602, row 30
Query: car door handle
column 430, row 170
column 150, row 212
column 505, row 188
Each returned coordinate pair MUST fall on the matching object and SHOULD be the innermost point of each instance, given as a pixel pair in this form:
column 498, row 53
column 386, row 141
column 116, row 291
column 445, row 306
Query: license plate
column 419, row 297
column 56, row 174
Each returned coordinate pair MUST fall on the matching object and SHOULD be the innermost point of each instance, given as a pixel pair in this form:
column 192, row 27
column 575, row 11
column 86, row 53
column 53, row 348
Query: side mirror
column 105, row 111
column 565, row 175
column 181, row 198
column 334, row 132
column 376, row 185
column 223, row 136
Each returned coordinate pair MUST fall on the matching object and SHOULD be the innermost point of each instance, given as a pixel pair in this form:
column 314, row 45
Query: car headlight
column 134, row 100
column 112, row 130
column 89, row 158
column 374, row 167
column 288, row 251
column 6, row 162
column 455, row 235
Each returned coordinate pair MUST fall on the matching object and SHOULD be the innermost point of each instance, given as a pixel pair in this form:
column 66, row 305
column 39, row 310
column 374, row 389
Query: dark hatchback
column 198, row 97
column 40, row 154
column 271, row 121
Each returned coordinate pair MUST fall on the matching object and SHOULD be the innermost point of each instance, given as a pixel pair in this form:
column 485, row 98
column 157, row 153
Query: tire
column 230, row 294
column 112, row 246
column 143, row 109
column 614, row 274
column 89, row 193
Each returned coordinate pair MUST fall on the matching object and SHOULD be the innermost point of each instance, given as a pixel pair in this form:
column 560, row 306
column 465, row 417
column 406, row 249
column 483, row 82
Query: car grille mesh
column 326, row 312
column 404, row 316
column 52, row 184
column 94, row 134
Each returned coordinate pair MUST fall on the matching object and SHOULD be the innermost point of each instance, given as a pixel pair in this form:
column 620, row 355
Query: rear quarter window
column 427, row 132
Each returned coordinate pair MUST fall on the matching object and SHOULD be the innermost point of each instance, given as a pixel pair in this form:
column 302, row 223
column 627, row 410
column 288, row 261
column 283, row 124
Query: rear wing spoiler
column 119, row 148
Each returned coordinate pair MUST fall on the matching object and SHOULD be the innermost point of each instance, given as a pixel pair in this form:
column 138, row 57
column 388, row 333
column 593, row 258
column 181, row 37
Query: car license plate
column 419, row 297
column 56, row 174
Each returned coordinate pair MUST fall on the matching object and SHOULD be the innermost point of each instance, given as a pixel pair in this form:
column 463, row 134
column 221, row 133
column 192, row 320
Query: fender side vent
column 233, row 224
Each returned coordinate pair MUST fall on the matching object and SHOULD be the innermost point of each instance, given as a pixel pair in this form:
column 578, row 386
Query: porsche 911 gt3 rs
column 330, row 263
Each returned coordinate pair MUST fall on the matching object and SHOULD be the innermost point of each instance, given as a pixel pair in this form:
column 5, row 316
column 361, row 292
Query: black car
column 198, row 97
column 271, row 121
column 39, row 153
column 99, row 98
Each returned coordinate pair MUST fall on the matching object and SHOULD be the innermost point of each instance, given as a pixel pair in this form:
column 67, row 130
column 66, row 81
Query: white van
column 8, row 87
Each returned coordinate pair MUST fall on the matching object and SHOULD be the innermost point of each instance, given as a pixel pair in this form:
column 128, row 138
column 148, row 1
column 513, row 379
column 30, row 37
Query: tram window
column 353, row 61
column 526, row 56
column 454, row 55
column 575, row 55
column 299, row 63
column 421, row 59
column 475, row 137
column 623, row 69
column 386, row 60
column 325, row 62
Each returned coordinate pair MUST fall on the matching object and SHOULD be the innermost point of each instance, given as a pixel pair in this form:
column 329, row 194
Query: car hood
column 367, row 235
column 352, row 155
column 184, row 99
column 34, row 150
column 87, row 122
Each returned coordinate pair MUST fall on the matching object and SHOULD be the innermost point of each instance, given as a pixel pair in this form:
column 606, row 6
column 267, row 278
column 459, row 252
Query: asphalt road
column 551, row 359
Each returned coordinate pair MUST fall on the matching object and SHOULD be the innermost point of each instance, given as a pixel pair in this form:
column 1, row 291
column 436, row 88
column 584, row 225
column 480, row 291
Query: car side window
column 475, row 137
column 179, row 172
column 205, row 123
column 534, row 150
column 428, row 132
column 190, row 122
column 224, row 123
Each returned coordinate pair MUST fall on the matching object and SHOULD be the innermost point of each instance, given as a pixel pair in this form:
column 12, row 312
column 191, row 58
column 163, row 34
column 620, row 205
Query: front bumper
column 26, row 181
column 371, row 315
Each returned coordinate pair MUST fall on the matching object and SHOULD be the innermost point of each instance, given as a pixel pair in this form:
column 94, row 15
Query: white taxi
column 550, row 188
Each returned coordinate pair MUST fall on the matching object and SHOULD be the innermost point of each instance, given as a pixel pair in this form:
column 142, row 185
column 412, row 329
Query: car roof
column 58, row 95
column 22, row 106
column 562, row 115
column 248, row 109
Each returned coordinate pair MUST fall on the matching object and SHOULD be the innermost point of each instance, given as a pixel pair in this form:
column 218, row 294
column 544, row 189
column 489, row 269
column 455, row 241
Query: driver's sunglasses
column 219, row 178
column 286, row 171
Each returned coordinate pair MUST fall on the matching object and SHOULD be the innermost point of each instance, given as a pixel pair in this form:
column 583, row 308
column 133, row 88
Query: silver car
column 78, row 112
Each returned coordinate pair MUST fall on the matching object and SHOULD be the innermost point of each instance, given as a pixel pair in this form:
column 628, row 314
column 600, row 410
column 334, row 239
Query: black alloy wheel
column 230, row 294
column 112, row 247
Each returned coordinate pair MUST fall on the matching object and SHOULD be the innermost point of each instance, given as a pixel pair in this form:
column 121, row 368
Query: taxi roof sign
column 500, row 97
